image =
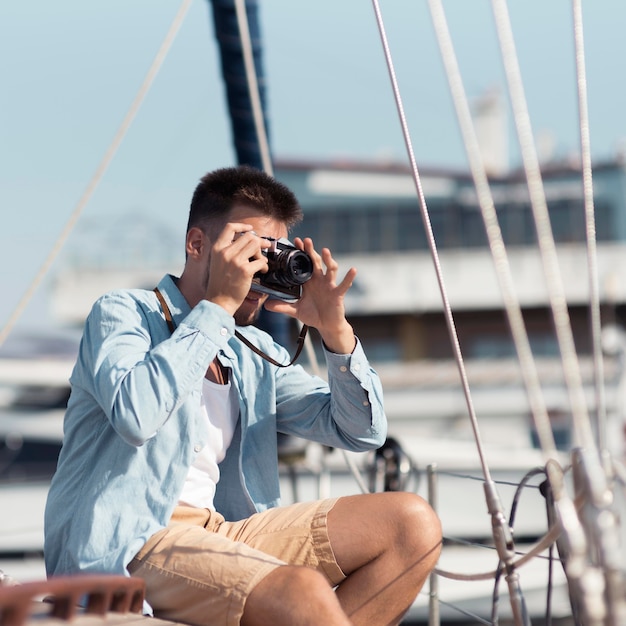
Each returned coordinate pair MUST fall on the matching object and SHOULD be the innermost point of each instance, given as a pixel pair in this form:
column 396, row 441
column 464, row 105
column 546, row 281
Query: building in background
column 368, row 215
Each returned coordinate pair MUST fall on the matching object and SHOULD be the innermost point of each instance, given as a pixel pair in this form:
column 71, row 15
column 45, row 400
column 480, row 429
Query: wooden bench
column 86, row 600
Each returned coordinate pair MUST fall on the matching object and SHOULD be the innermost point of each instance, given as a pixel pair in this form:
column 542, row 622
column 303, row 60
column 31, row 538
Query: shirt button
column 366, row 403
column 357, row 367
column 343, row 368
column 197, row 448
column 223, row 332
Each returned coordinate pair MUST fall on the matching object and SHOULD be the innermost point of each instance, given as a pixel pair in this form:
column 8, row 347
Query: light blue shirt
column 133, row 424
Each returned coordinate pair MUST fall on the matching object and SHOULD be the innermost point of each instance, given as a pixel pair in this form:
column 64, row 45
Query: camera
column 289, row 268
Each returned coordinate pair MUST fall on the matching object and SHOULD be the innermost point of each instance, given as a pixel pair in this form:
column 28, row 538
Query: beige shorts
column 201, row 569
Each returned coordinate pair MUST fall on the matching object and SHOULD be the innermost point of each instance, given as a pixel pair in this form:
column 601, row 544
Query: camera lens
column 294, row 266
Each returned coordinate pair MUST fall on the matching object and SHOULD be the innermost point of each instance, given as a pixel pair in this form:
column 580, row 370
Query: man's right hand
column 234, row 259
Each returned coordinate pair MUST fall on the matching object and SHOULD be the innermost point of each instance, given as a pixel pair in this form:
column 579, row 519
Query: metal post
column 434, row 619
column 324, row 478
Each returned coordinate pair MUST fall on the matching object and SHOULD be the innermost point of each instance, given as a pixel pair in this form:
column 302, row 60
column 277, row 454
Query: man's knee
column 415, row 524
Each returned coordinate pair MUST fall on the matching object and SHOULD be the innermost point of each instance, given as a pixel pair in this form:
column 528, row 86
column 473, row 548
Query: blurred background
column 69, row 71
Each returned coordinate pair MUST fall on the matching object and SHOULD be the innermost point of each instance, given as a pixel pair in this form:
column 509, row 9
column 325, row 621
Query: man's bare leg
column 386, row 544
column 293, row 596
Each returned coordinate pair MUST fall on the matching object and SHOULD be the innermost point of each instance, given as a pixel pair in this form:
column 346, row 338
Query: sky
column 70, row 70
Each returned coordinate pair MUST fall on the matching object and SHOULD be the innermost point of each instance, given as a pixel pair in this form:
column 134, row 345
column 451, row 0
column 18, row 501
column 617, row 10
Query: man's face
column 263, row 226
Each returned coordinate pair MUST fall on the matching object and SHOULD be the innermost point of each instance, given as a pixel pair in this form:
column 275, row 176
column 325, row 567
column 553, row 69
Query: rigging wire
column 509, row 483
column 590, row 225
column 479, row 620
column 607, row 543
column 259, row 124
column 260, row 128
column 545, row 239
column 513, row 512
column 266, row 159
column 100, row 170
column 540, row 546
column 581, row 575
column 570, row 364
column 502, row 535
column 253, row 86
column 498, row 251
column 431, row 242
column 494, row 234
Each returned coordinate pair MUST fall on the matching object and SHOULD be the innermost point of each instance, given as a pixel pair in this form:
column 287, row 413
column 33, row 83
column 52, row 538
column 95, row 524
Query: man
column 168, row 469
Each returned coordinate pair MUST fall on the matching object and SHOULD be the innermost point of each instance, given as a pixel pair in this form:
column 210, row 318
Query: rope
column 501, row 532
column 545, row 239
column 100, row 170
column 253, row 85
column 605, row 540
column 579, row 567
column 431, row 243
column 548, row 539
column 590, row 225
column 494, row 234
column 480, row 620
column 479, row 544
column 259, row 124
column 496, row 243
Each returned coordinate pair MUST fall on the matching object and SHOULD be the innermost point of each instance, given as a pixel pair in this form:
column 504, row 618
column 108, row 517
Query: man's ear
column 195, row 242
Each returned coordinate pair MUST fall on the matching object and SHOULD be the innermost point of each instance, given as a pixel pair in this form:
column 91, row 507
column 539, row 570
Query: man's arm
column 139, row 374
column 348, row 413
column 345, row 412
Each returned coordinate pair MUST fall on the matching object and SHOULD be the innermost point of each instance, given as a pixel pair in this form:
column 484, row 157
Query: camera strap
column 301, row 337
column 267, row 357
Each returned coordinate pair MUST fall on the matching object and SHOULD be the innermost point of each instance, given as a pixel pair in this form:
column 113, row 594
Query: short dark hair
column 219, row 190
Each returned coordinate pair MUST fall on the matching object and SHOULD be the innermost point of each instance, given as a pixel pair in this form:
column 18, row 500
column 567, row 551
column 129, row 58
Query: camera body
column 289, row 268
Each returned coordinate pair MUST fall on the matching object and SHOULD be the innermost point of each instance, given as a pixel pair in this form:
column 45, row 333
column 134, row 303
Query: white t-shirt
column 220, row 411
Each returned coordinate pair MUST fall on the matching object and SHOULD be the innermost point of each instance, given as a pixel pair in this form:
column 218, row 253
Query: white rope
column 565, row 506
column 356, row 473
column 605, row 538
column 501, row 532
column 432, row 244
column 253, row 85
column 582, row 429
column 259, row 126
column 100, row 171
column 545, row 542
column 578, row 567
column 494, row 234
column 590, row 224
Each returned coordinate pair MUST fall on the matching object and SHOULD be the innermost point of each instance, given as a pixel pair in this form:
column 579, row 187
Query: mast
column 241, row 114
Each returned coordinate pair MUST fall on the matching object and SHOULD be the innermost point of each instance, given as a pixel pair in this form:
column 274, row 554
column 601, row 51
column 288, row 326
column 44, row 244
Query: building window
column 410, row 233
column 472, row 228
column 567, row 220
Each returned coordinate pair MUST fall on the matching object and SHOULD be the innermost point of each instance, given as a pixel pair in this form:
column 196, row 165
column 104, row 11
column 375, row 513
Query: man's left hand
column 322, row 303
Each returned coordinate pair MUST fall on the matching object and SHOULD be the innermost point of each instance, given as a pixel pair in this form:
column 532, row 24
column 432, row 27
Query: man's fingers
column 279, row 306
column 331, row 265
column 239, row 240
column 347, row 281
column 229, row 233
